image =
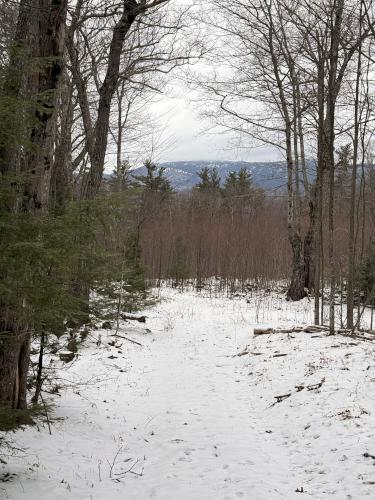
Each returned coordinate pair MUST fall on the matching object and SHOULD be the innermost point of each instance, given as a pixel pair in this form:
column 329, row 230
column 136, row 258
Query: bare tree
column 264, row 101
column 140, row 43
column 290, row 66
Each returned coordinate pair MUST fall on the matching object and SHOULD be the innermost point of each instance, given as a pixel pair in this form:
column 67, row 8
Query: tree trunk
column 332, row 93
column 297, row 290
column 50, row 50
column 98, row 137
column 12, row 126
column 15, row 337
column 61, row 185
column 318, row 188
column 309, row 255
column 39, row 375
column 14, row 364
column 351, row 249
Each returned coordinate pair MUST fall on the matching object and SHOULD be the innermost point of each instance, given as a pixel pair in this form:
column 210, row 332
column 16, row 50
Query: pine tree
column 366, row 274
column 245, row 181
column 154, row 181
column 120, row 179
column 209, row 181
column 230, row 185
column 343, row 169
column 239, row 192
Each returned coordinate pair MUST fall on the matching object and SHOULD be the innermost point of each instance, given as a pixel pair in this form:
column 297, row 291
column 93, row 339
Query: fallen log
column 364, row 335
column 131, row 317
column 316, row 328
column 357, row 334
column 262, row 331
column 295, row 329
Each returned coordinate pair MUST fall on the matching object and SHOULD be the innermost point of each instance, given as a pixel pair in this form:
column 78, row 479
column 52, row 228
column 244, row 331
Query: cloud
column 191, row 139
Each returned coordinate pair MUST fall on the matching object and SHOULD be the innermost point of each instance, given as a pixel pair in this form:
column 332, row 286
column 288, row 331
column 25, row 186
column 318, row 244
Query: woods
column 90, row 216
column 55, row 125
column 301, row 65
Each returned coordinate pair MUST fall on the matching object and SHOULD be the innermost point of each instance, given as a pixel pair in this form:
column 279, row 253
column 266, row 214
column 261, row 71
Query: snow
column 184, row 418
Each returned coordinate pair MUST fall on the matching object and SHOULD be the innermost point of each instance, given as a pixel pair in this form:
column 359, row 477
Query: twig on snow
column 316, row 386
column 281, row 398
column 129, row 340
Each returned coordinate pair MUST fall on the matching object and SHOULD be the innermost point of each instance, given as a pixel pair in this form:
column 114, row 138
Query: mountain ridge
column 183, row 175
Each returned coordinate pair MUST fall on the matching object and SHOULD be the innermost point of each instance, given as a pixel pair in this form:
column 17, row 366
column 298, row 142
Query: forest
column 220, row 336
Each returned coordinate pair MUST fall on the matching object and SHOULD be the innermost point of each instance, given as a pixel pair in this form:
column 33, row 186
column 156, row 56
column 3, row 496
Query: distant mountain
column 183, row 175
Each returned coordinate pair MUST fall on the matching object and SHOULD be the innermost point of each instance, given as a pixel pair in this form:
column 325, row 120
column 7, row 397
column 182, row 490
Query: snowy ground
column 181, row 418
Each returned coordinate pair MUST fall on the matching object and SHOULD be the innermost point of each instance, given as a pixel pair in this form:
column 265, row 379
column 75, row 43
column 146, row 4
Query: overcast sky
column 187, row 138
column 185, row 134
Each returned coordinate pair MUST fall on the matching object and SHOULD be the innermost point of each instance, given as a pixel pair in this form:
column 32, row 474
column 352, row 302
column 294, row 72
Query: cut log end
column 263, row 331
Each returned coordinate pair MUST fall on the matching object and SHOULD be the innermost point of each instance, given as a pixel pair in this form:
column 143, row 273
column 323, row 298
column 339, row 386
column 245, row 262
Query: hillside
column 183, row 175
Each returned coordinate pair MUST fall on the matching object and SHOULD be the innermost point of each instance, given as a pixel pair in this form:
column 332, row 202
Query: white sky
column 181, row 134
column 187, row 138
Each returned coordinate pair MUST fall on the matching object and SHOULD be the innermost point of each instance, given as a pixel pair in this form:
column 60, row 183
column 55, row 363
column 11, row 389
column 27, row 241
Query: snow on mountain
column 183, row 175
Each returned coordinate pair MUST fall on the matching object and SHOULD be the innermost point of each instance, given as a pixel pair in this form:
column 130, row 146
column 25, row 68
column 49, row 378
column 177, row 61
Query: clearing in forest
column 184, row 417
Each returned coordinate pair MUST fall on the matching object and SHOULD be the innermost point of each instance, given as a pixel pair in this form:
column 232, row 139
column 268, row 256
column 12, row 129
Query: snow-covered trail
column 202, row 432
column 182, row 419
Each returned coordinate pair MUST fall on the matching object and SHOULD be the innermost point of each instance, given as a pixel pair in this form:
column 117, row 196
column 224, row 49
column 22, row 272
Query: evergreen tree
column 238, row 183
column 30, row 84
column 366, row 274
column 120, row 179
column 154, row 181
column 245, row 181
column 343, row 169
column 230, row 184
column 240, row 193
column 209, row 181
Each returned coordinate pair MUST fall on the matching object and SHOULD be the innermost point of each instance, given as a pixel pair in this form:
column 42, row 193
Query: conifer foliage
column 69, row 243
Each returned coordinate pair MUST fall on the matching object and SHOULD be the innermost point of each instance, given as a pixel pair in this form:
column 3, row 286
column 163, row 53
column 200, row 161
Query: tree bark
column 98, row 136
column 296, row 289
column 61, row 184
column 51, row 36
column 15, row 337
column 14, row 364
column 353, row 188
column 332, row 92
column 15, row 80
